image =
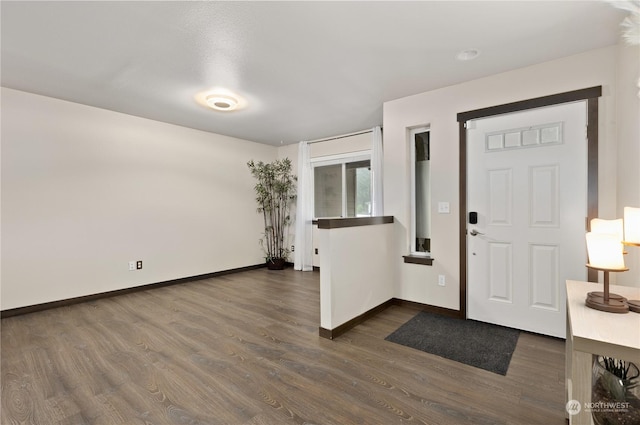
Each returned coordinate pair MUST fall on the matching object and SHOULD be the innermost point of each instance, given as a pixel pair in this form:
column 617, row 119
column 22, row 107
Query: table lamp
column 632, row 238
column 614, row 227
column 631, row 226
column 606, row 254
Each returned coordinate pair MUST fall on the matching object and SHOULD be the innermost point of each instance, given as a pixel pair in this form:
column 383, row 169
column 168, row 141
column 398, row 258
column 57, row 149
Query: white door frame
column 591, row 95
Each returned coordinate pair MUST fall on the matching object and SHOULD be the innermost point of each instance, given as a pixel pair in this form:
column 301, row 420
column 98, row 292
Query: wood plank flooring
column 244, row 349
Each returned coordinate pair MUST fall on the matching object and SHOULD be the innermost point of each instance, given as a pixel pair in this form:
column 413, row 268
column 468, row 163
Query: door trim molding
column 538, row 102
column 591, row 95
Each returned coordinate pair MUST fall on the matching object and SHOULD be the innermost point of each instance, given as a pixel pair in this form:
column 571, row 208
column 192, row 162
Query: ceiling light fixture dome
column 220, row 99
column 222, row 102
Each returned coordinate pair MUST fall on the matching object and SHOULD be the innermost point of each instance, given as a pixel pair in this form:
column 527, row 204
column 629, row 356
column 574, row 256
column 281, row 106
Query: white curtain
column 303, row 258
column 376, row 170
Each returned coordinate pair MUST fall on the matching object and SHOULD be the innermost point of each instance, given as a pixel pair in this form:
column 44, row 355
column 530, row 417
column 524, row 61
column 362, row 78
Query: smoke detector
column 468, row 54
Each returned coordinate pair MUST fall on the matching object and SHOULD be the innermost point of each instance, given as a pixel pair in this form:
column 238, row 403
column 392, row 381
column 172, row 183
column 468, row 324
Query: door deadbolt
column 473, row 217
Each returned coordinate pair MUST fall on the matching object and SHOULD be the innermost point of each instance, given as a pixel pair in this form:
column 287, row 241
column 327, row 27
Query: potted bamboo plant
column 275, row 194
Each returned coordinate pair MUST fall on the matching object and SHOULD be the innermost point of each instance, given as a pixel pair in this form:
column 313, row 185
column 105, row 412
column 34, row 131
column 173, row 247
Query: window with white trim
column 342, row 185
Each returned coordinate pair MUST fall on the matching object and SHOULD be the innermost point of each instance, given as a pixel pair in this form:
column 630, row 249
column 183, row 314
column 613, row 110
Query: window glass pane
column 327, row 191
column 358, row 189
column 422, row 193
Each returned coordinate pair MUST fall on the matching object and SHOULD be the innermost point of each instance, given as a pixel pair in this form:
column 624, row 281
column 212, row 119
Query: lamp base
column 634, row 305
column 612, row 296
column 610, row 306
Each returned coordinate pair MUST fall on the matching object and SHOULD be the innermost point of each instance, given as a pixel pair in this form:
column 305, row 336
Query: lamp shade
column 605, row 251
column 632, row 225
column 615, row 227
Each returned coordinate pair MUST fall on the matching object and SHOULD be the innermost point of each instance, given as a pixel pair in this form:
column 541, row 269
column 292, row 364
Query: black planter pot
column 276, row 263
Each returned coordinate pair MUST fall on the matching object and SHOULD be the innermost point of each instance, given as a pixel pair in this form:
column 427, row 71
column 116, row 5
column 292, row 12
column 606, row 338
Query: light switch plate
column 443, row 207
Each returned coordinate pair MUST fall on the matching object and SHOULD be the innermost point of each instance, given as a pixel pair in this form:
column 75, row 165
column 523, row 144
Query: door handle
column 474, row 232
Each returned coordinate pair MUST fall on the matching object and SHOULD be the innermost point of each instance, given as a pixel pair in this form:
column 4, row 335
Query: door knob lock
column 474, row 232
column 473, row 217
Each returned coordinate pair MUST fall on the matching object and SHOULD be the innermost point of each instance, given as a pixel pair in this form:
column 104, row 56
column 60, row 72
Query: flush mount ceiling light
column 467, row 55
column 220, row 99
column 222, row 102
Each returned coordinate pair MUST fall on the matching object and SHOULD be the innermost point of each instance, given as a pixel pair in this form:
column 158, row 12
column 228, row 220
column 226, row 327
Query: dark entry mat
column 478, row 344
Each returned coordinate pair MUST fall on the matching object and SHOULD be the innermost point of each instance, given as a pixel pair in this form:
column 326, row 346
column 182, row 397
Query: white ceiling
column 307, row 69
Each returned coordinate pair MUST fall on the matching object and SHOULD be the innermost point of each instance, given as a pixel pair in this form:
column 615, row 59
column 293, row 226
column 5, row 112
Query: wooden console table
column 592, row 332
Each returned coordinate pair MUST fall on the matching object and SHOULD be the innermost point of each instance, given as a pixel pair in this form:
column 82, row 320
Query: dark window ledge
column 335, row 223
column 418, row 259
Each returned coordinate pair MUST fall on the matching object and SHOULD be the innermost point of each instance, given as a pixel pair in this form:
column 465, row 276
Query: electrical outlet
column 293, row 248
column 316, row 251
column 441, row 280
column 132, row 265
column 139, row 265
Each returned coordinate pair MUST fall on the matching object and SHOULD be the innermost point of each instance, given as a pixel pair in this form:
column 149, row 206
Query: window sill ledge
column 335, row 223
column 417, row 259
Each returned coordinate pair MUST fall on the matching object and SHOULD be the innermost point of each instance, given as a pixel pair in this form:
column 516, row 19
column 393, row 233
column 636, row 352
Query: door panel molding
column 500, row 197
column 544, row 261
column 501, row 272
column 544, row 182
column 591, row 95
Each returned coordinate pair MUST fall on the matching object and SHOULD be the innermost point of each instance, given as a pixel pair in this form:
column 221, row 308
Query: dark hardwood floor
column 244, row 349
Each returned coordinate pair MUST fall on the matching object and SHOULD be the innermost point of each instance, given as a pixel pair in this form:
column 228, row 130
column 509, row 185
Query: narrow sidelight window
column 420, row 191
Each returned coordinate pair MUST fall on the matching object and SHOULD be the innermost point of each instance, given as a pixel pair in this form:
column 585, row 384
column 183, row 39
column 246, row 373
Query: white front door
column 527, row 182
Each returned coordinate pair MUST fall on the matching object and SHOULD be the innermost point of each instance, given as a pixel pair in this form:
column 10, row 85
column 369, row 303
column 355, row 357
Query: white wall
column 85, row 190
column 343, row 145
column 628, row 136
column 438, row 109
column 354, row 272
